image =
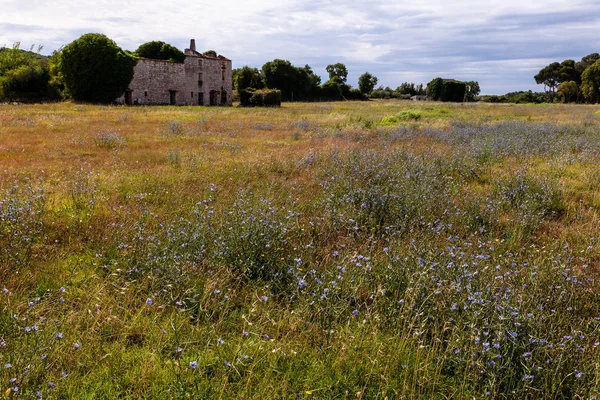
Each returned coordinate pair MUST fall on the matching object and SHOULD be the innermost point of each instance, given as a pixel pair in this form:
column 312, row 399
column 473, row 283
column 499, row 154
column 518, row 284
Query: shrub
column 260, row 98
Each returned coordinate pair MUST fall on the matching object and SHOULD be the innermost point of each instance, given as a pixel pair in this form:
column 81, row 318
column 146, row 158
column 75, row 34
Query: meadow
column 352, row 250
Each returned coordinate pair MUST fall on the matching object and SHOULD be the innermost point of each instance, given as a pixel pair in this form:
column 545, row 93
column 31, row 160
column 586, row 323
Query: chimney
column 193, row 44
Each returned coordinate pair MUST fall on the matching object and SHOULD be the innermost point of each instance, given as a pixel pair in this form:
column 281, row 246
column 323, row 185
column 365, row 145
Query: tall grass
column 345, row 262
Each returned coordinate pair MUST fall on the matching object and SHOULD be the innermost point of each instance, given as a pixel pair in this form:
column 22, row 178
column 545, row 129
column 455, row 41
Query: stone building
column 199, row 80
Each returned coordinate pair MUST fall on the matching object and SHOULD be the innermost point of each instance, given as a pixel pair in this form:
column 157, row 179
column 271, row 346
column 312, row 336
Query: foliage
column 590, row 82
column 246, row 77
column 454, row 91
column 567, row 91
column 472, row 90
column 331, row 91
column 25, row 76
column 260, row 98
column 517, row 98
column 449, row 90
column 280, row 74
column 586, row 61
column 160, row 51
column 435, row 88
column 210, row 53
column 96, row 69
column 410, row 89
column 550, row 76
column 337, row 70
column 295, row 83
column 366, row 83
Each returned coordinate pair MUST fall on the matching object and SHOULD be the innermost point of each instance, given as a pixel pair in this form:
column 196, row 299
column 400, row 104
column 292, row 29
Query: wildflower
column 62, row 289
column 527, row 354
column 164, row 331
column 59, row 335
column 7, row 366
column 245, row 333
column 149, row 301
column 227, row 363
column 5, row 290
column 76, row 346
column 216, row 291
column 220, row 341
column 355, row 313
column 264, row 298
column 578, row 374
column 51, row 384
column 193, row 364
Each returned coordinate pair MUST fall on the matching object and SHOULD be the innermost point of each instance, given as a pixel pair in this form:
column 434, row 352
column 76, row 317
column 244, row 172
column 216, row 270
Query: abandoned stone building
column 199, row 80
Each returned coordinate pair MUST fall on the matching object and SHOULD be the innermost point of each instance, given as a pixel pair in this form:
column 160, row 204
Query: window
column 192, row 94
column 223, row 71
column 146, row 93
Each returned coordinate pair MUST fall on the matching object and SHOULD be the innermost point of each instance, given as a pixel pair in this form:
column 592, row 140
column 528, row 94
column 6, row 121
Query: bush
column 260, row 98
column 25, row 76
column 96, row 69
column 331, row 91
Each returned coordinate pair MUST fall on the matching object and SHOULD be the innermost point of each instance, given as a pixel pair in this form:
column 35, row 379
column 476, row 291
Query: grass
column 309, row 251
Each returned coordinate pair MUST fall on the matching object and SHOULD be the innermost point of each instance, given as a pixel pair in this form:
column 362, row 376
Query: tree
column 550, row 77
column 96, row 69
column 590, row 82
column 210, row 53
column 472, row 90
column 246, row 77
column 366, row 83
column 25, row 75
column 567, row 91
column 280, row 74
column 568, row 72
column 160, row 51
column 338, row 70
column 586, row 62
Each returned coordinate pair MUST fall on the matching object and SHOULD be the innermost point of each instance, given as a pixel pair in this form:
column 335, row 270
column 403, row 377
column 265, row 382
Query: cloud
column 501, row 43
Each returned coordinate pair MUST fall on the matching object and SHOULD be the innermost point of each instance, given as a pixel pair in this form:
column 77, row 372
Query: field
column 356, row 250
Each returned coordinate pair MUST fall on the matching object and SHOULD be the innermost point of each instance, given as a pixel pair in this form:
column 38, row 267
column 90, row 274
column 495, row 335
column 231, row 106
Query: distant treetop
column 160, row 51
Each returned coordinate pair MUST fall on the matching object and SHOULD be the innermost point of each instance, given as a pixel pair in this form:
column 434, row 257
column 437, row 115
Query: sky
column 501, row 44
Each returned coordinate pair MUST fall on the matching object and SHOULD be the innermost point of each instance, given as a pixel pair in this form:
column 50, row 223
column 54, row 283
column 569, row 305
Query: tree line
column 301, row 83
column 571, row 81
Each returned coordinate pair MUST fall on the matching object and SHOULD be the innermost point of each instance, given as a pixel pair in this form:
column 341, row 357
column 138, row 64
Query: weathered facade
column 199, row 80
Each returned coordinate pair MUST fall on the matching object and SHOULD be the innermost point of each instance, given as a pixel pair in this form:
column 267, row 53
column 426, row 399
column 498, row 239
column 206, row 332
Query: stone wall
column 200, row 80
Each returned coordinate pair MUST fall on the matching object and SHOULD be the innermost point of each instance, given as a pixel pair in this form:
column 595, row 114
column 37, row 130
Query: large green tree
column 339, row 70
column 95, row 69
column 550, row 77
column 366, row 83
column 245, row 78
column 590, row 82
column 160, row 51
column 586, row 62
column 472, row 90
column 280, row 74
